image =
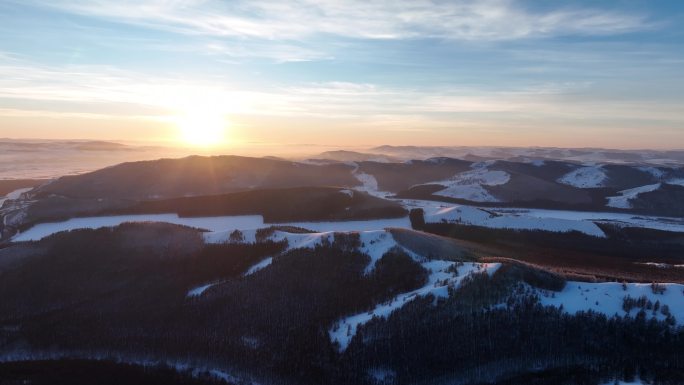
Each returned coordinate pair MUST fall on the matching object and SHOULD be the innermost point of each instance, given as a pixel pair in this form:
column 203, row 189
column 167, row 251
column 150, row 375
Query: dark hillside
column 279, row 205
column 395, row 177
column 196, row 175
column 9, row 185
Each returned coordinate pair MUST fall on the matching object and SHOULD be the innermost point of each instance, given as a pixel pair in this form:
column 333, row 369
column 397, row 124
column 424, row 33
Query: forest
column 104, row 293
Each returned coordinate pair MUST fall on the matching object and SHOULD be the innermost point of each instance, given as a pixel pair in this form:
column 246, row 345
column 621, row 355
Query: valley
column 266, row 278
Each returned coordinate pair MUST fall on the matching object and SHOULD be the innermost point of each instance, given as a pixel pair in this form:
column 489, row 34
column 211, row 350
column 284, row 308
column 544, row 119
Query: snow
column 382, row 375
column 585, row 177
column 620, row 219
column 468, row 184
column 469, row 215
column 654, row 171
column 368, row 182
column 439, row 282
column 264, row 263
column 223, row 236
column 197, row 291
column 220, row 227
column 677, row 181
column 635, row 382
column 623, row 200
column 374, row 243
column 221, row 375
column 457, row 213
column 659, row 264
column 16, row 194
column 607, row 298
column 348, row 192
column 553, row 220
column 373, row 224
column 43, row 230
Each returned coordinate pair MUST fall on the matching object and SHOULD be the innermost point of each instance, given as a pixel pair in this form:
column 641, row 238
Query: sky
column 345, row 73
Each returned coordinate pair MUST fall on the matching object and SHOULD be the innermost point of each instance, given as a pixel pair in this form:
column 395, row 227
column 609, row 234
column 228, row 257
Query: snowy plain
column 214, row 224
column 538, row 219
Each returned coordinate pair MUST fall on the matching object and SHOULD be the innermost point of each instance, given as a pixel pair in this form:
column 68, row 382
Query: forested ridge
column 123, row 292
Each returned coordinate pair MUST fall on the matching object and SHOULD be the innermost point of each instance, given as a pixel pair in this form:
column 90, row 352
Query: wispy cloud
column 101, row 91
column 378, row 19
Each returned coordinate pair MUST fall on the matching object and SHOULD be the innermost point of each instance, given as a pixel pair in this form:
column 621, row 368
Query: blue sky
column 492, row 72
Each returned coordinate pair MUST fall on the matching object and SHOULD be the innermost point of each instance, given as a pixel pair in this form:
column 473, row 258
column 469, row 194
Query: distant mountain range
column 656, row 157
column 532, row 183
column 346, row 268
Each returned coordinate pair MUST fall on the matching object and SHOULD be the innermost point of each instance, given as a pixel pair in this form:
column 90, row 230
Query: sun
column 202, row 127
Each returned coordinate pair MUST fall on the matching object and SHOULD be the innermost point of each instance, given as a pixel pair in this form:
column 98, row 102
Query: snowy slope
column 585, row 177
column 16, row 194
column 469, row 184
column 469, row 215
column 607, row 298
column 656, row 172
column 439, row 282
column 197, row 291
column 368, row 182
column 623, row 200
column 261, row 265
column 374, row 243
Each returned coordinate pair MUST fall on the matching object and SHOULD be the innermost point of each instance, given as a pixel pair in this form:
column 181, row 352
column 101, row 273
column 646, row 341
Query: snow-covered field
column 468, row 184
column 482, row 217
column 373, row 224
column 585, row 177
column 623, row 200
column 621, row 219
column 214, row 224
column 607, row 298
column 43, row 230
column 439, row 282
column 539, row 219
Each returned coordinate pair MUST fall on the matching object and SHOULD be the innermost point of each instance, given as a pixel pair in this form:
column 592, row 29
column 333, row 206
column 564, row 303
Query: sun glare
column 202, row 128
